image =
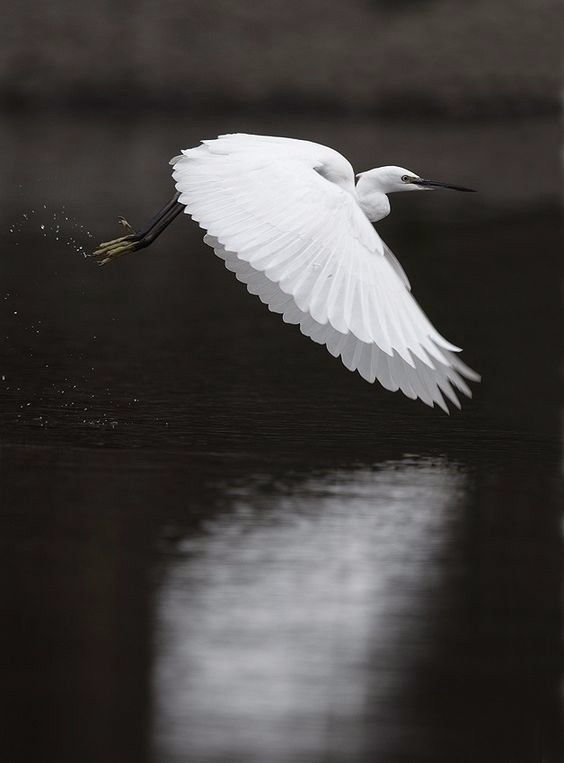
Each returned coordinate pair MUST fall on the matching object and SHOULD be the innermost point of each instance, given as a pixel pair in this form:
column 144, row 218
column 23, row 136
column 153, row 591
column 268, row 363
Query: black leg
column 109, row 250
column 172, row 204
column 157, row 226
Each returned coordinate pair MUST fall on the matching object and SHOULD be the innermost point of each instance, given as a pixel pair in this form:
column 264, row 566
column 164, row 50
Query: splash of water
column 55, row 225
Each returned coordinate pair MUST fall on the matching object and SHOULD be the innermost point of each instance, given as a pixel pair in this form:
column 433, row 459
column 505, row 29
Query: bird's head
column 393, row 179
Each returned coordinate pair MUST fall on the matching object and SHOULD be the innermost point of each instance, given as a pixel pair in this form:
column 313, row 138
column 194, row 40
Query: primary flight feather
column 287, row 218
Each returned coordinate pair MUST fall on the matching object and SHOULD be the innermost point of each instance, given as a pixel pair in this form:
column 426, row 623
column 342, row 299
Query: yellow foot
column 111, row 250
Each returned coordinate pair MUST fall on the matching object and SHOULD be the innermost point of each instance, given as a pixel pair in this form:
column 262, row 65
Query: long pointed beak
column 438, row 184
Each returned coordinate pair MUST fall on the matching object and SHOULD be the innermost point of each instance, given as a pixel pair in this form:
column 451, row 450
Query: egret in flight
column 287, row 217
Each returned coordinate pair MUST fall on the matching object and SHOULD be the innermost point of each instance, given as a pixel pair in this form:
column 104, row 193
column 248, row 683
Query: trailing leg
column 110, row 250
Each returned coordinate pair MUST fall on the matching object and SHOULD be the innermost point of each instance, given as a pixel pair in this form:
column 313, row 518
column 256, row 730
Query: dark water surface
column 219, row 545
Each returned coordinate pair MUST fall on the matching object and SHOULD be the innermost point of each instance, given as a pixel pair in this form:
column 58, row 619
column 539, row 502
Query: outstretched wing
column 301, row 243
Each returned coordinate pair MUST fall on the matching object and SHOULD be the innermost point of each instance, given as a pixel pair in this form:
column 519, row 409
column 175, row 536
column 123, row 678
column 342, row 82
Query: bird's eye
column 406, row 179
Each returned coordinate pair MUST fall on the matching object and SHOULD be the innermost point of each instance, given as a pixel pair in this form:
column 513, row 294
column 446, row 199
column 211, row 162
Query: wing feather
column 302, row 244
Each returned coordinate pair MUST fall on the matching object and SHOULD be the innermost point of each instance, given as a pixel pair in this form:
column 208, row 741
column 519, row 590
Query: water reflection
column 292, row 625
column 409, row 612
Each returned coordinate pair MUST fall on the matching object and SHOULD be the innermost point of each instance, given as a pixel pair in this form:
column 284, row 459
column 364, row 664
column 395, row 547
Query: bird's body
column 288, row 219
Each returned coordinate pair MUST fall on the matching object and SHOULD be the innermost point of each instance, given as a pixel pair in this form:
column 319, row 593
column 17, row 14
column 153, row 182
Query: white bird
column 286, row 217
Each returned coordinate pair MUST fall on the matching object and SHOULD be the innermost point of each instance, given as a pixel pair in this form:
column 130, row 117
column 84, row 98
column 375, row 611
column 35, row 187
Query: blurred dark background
column 218, row 543
column 485, row 58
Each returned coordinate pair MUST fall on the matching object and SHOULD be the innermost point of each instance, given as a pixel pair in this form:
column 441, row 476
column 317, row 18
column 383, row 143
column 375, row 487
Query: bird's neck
column 374, row 204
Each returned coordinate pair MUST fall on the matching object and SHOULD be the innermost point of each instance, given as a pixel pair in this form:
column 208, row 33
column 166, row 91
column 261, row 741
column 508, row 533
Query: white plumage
column 287, row 219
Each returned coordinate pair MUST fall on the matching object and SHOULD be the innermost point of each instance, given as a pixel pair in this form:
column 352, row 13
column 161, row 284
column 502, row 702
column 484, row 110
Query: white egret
column 286, row 217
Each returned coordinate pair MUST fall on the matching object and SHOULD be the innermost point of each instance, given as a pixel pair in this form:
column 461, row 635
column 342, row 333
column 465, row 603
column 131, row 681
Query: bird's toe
column 110, row 250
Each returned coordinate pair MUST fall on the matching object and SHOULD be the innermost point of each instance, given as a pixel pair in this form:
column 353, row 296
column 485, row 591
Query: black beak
column 438, row 184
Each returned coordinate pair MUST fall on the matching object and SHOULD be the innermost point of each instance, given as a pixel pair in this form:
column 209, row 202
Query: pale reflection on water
column 289, row 629
column 407, row 612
